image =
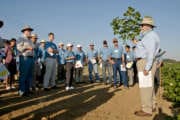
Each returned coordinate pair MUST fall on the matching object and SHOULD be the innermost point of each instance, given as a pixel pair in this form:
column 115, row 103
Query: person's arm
column 150, row 47
column 21, row 47
column 123, row 60
column 69, row 57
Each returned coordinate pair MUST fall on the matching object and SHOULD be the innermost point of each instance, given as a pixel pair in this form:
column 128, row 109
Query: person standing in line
column 80, row 59
column 129, row 65
column 105, row 54
column 92, row 57
column 70, row 60
column 61, row 62
column 36, row 70
column 50, row 63
column 41, row 61
column 116, row 59
column 26, row 52
column 10, row 64
column 145, row 53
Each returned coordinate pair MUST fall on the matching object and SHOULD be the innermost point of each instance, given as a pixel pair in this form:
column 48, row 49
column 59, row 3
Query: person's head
column 79, row 47
column 115, row 42
column 1, row 23
column 50, row 50
column 147, row 24
column 27, row 31
column 51, row 36
column 134, row 40
column 105, row 44
column 34, row 38
column 127, row 48
column 61, row 45
column 42, row 43
column 7, row 43
column 69, row 47
column 91, row 46
column 13, row 42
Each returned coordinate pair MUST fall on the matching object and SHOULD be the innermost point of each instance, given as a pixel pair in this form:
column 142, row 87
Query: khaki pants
column 148, row 100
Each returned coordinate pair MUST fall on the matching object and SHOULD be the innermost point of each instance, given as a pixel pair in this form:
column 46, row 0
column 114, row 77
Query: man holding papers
column 145, row 52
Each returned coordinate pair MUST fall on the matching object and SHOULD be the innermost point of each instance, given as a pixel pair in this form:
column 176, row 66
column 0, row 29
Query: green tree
column 127, row 27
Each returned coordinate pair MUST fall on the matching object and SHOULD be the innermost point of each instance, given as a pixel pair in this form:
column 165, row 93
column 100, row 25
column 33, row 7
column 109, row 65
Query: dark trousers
column 78, row 74
column 61, row 72
column 12, row 69
column 43, row 70
column 26, row 72
column 69, row 73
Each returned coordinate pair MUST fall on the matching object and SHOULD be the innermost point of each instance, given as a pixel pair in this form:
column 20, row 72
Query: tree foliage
column 127, row 27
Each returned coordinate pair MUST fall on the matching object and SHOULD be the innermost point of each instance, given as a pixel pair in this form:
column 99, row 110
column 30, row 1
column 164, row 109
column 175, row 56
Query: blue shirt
column 105, row 53
column 80, row 55
column 129, row 56
column 53, row 46
column 117, row 52
column 148, row 47
column 69, row 54
column 42, row 53
column 91, row 54
column 61, row 57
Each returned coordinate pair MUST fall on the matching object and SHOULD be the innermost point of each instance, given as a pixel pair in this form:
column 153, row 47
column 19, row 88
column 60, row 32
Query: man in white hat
column 26, row 49
column 41, row 59
column 145, row 53
column 80, row 59
column 36, row 70
column 70, row 59
column 92, row 57
column 61, row 62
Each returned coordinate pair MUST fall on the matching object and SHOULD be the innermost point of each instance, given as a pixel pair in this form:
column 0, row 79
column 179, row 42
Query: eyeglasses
column 115, row 41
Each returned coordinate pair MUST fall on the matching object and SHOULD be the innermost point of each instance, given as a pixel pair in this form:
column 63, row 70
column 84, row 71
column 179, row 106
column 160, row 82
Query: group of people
column 44, row 62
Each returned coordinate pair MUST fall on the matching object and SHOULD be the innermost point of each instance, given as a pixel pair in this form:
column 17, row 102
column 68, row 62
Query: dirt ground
column 87, row 102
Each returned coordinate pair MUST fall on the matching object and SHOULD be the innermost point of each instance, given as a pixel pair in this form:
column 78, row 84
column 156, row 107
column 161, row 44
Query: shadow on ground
column 81, row 102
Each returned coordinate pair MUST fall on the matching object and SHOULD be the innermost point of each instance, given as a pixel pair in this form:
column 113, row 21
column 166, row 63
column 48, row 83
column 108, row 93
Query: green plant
column 127, row 27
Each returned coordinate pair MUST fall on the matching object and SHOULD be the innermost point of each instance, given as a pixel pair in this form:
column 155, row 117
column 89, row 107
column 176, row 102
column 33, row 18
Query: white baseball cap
column 69, row 45
column 78, row 46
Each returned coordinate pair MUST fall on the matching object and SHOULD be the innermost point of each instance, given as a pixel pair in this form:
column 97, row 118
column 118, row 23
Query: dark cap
column 105, row 42
column 13, row 40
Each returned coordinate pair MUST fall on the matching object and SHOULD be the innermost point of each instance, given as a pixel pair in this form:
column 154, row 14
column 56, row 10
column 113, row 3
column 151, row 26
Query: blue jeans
column 124, row 78
column 26, row 73
column 91, row 68
column 117, row 69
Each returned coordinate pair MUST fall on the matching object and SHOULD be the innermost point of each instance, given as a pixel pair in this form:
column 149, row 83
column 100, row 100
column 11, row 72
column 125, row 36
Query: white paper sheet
column 123, row 68
column 78, row 64
column 145, row 81
column 93, row 61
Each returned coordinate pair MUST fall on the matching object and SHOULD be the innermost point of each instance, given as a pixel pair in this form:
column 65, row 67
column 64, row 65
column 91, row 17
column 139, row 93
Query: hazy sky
column 82, row 21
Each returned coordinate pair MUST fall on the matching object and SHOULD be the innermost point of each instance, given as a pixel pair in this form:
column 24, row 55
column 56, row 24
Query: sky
column 85, row 21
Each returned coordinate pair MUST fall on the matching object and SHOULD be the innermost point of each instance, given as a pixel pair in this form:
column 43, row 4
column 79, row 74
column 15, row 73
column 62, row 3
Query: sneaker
column 8, row 88
column 13, row 87
column 46, row 89
column 71, row 88
column 21, row 93
column 67, row 88
column 98, row 81
column 54, row 87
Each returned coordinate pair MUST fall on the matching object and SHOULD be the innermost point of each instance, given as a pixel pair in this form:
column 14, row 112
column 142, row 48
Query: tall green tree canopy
column 127, row 27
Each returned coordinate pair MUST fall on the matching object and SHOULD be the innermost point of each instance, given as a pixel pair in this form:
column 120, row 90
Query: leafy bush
column 171, row 83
